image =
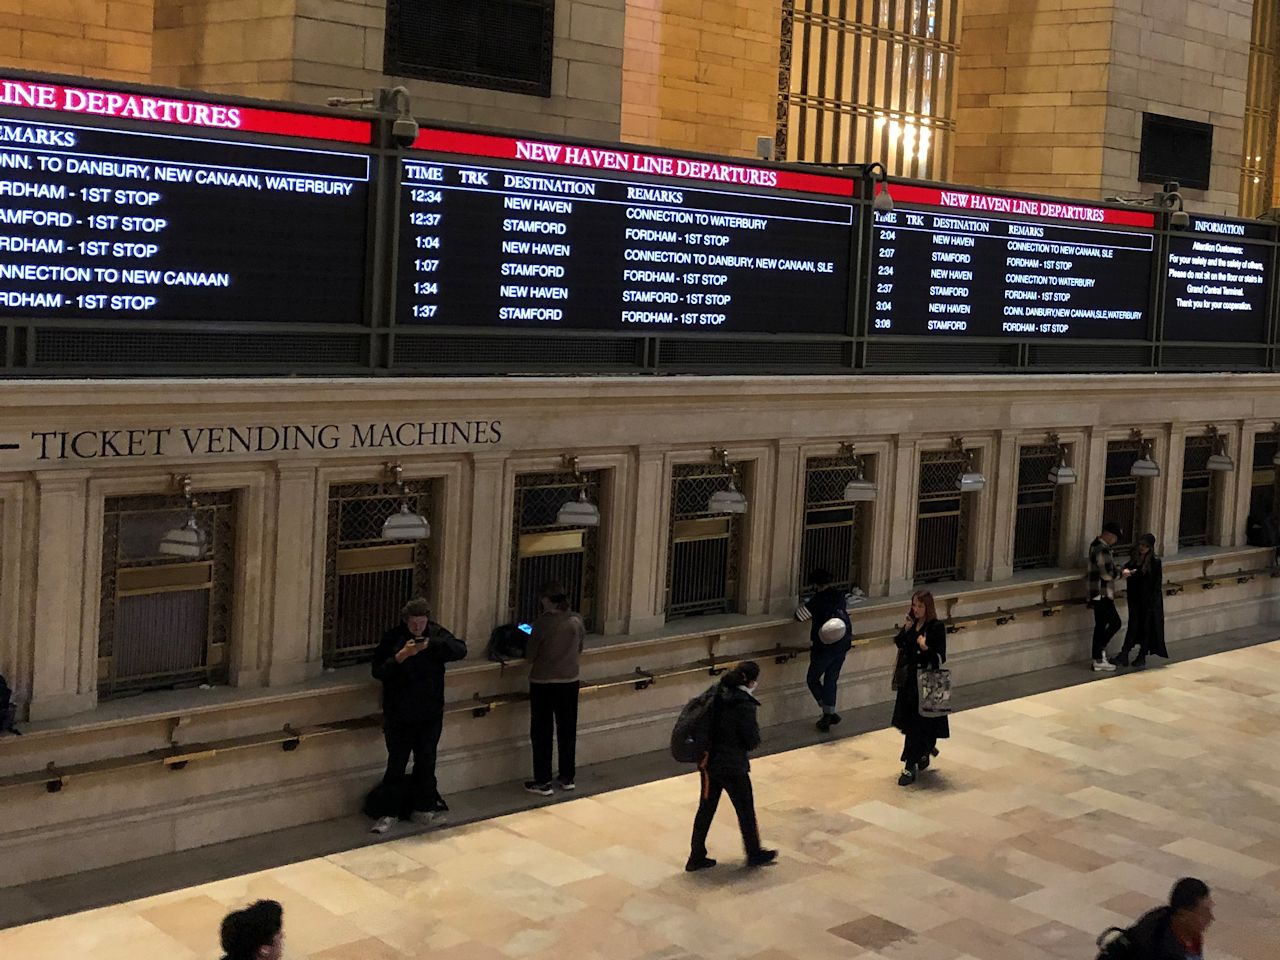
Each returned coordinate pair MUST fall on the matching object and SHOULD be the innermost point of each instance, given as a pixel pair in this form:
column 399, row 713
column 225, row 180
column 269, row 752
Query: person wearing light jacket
column 554, row 652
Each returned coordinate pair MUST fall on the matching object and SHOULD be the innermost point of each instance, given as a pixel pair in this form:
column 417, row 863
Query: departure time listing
column 957, row 274
column 496, row 246
column 98, row 223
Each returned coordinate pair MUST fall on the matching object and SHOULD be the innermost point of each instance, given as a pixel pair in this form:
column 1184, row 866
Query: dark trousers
column 553, row 708
column 738, row 786
column 917, row 745
column 825, row 661
column 418, row 790
column 1106, row 621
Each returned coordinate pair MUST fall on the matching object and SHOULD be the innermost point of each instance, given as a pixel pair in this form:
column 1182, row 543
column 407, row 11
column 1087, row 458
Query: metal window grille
column 367, row 579
column 1039, row 509
column 542, row 550
column 863, row 80
column 1258, row 158
column 832, row 536
column 164, row 621
column 704, row 555
column 1123, row 496
column 495, row 44
column 942, row 524
column 1196, row 512
column 1264, row 491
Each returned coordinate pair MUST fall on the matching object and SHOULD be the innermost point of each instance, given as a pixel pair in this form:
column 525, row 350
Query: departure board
column 1217, row 281
column 167, row 222
column 979, row 265
column 498, row 232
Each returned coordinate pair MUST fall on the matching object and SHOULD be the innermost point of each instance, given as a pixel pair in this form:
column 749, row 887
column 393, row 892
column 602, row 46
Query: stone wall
column 95, row 38
column 1032, row 95
column 226, row 46
column 701, row 76
column 1184, row 58
column 1052, row 92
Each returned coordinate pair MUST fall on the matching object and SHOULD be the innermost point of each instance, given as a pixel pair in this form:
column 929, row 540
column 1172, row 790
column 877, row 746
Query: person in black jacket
column 826, row 656
column 254, row 933
column 922, row 645
column 1146, row 604
column 410, row 663
column 734, row 734
column 1175, row 932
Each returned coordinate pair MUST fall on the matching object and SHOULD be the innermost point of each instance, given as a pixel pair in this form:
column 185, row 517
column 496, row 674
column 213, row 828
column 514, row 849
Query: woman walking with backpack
column 726, row 769
column 922, row 645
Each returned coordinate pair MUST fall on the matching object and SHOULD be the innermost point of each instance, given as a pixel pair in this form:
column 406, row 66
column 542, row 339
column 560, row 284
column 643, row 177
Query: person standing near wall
column 735, row 732
column 922, row 645
column 830, row 638
column 554, row 653
column 410, row 663
column 254, row 933
column 1145, row 593
column 1102, row 593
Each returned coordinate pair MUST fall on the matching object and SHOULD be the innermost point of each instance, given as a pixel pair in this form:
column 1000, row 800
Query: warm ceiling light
column 404, row 523
column 188, row 541
column 730, row 500
column 578, row 512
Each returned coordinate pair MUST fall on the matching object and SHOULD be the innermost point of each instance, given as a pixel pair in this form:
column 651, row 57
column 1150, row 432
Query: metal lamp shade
column 186, row 541
column 404, row 524
column 727, row 501
column 1220, row 463
column 971, row 482
column 859, row 491
column 578, row 513
column 1063, row 475
column 1144, row 467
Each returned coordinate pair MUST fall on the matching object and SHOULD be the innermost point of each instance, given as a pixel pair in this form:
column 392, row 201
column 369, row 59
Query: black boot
column 1122, row 660
column 908, row 775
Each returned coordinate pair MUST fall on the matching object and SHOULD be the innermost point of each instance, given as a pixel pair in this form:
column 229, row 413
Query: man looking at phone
column 410, row 663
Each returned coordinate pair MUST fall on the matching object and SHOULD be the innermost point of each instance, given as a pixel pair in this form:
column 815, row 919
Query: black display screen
column 550, row 246
column 98, row 223
column 978, row 271
column 1217, row 282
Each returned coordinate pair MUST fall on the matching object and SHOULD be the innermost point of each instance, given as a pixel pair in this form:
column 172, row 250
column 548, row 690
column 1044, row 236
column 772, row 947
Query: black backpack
column 8, row 709
column 691, row 736
column 507, row 642
column 1114, row 944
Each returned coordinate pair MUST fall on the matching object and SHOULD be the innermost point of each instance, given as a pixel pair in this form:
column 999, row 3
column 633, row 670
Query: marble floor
column 1045, row 820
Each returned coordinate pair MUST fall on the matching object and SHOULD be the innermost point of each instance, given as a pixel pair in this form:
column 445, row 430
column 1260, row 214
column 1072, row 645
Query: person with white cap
column 831, row 638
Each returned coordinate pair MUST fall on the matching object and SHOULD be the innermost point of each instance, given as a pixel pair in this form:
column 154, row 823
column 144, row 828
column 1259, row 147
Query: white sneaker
column 383, row 824
column 1103, row 666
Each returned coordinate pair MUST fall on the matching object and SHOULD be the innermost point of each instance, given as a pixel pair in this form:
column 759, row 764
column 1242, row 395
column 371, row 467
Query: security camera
column 404, row 131
column 764, row 148
column 1179, row 220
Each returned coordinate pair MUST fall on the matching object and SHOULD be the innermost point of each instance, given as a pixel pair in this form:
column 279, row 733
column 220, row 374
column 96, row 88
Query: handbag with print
column 935, row 692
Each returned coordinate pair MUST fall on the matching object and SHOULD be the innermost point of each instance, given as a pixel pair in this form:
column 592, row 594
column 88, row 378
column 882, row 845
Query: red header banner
column 629, row 161
column 187, row 113
column 1048, row 209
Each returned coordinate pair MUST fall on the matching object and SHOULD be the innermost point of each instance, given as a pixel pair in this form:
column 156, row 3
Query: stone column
column 483, row 549
column 650, row 513
column 1003, row 479
column 901, row 484
column 64, row 662
column 294, row 654
column 788, row 504
column 1164, row 493
column 1092, row 469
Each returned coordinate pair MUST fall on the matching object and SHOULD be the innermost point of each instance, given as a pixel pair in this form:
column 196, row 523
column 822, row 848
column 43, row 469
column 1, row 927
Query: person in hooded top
column 1146, row 604
column 735, row 732
column 830, row 638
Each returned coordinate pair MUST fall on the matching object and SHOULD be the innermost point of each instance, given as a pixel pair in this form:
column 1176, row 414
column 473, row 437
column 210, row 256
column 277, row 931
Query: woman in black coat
column 1146, row 604
column 922, row 645
column 735, row 732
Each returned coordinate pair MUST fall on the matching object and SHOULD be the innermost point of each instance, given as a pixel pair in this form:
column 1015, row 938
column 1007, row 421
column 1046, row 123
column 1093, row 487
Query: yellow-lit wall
column 1032, row 95
column 226, row 46
column 93, row 38
column 701, row 75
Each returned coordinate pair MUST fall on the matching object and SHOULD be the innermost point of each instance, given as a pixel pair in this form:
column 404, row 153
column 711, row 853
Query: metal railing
column 1035, row 528
column 1123, row 496
column 942, row 524
column 703, row 558
column 832, row 534
column 1195, row 514
column 543, row 551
